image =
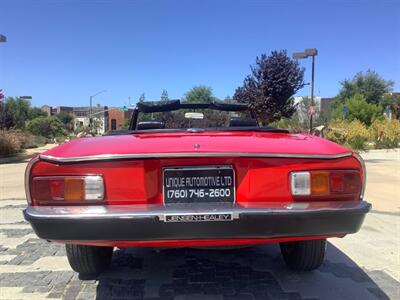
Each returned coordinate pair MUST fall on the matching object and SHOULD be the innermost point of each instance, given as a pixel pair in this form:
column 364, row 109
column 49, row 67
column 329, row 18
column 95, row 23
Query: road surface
column 365, row 265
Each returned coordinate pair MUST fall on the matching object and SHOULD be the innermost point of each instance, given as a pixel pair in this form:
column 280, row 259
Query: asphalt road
column 365, row 265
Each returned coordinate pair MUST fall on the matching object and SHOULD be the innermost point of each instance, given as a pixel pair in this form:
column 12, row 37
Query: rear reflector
column 68, row 188
column 325, row 183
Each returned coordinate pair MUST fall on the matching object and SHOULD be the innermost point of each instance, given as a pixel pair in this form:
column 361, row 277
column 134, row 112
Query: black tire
column 88, row 259
column 304, row 255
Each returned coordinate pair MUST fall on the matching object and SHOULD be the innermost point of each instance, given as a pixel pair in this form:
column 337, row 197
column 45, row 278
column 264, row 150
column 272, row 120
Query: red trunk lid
column 246, row 142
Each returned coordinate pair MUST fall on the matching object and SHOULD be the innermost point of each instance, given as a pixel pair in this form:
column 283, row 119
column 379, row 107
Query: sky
column 62, row 52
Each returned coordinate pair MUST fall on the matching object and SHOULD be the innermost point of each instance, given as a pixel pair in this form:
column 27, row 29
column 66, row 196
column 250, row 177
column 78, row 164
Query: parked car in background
column 180, row 179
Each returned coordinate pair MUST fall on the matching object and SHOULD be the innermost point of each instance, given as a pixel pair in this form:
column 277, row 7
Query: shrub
column 385, row 133
column 33, row 141
column 359, row 109
column 10, row 142
column 291, row 124
column 49, row 127
column 352, row 134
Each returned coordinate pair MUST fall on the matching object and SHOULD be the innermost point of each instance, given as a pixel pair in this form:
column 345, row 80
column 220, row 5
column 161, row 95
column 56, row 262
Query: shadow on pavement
column 14, row 160
column 247, row 273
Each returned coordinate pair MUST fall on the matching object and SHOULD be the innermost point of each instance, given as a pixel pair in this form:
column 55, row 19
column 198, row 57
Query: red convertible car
column 195, row 175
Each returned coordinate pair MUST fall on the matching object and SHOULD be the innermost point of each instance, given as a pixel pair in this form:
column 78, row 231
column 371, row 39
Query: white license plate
column 199, row 184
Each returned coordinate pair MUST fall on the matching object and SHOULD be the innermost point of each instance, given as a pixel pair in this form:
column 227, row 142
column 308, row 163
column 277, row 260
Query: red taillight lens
column 337, row 183
column 345, row 183
column 326, row 183
column 67, row 188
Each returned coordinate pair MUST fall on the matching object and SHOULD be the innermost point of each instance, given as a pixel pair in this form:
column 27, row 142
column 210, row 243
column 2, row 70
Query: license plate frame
column 223, row 172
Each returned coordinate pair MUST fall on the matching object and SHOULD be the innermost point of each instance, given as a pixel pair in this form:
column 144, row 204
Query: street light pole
column 91, row 108
column 90, row 113
column 312, row 91
column 3, row 39
column 307, row 53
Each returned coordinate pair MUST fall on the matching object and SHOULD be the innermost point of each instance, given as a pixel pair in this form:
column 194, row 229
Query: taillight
column 326, row 183
column 68, row 188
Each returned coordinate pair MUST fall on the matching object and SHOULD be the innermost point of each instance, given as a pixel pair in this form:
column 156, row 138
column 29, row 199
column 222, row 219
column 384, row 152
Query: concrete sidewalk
column 12, row 171
column 27, row 154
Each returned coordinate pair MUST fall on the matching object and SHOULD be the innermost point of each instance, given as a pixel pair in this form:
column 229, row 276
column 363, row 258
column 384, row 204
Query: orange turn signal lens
column 74, row 189
column 319, row 183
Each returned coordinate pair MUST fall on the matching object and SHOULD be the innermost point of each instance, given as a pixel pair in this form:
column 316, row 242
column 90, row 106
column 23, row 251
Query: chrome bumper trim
column 159, row 211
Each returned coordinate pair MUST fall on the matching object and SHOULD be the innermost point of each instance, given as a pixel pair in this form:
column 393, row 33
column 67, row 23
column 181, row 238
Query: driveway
column 365, row 265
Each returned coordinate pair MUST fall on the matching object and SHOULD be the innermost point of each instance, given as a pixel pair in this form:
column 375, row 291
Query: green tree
column 49, row 127
column 67, row 119
column 393, row 101
column 274, row 79
column 125, row 124
column 228, row 99
column 14, row 113
column 164, row 96
column 369, row 84
column 199, row 94
column 36, row 112
column 357, row 108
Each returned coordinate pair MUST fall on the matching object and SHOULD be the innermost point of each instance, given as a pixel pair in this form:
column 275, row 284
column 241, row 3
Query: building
column 327, row 104
column 323, row 106
column 67, row 109
column 81, row 116
column 302, row 109
column 99, row 116
column 47, row 109
column 116, row 118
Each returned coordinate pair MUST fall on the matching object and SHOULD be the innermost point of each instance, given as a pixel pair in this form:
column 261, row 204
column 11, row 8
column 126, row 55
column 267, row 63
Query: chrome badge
column 198, row 217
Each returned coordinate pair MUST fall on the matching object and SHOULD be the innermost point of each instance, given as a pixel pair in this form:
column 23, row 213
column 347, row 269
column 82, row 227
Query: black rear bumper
column 101, row 223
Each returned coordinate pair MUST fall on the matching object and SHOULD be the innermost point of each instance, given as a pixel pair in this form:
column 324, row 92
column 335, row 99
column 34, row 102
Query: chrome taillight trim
column 28, row 169
column 188, row 154
column 364, row 173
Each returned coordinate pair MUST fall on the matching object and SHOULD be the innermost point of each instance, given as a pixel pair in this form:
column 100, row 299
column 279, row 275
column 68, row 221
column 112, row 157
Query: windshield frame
column 174, row 105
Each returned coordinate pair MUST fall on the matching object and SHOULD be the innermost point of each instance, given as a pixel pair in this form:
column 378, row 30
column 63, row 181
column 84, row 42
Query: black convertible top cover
column 170, row 105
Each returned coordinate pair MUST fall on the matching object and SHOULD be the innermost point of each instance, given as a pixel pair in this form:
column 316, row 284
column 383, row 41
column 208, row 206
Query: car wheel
column 304, row 255
column 88, row 259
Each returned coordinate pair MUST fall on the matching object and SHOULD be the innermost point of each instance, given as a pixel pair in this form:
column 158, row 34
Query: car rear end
column 197, row 198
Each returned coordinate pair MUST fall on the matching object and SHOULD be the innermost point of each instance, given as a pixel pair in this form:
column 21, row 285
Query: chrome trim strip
column 27, row 175
column 188, row 154
column 159, row 211
column 364, row 172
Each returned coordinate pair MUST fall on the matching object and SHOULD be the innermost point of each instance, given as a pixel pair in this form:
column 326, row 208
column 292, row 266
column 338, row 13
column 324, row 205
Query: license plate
column 199, row 185
column 198, row 218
